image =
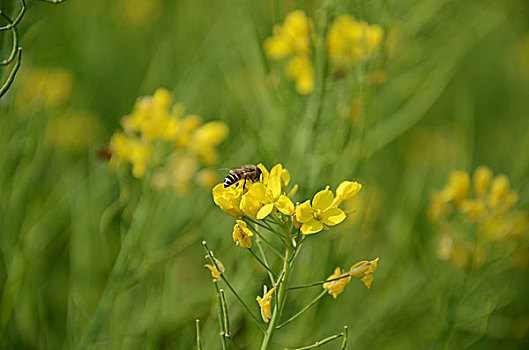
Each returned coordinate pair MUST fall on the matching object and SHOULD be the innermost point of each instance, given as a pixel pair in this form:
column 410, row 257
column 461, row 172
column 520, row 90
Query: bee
column 246, row 172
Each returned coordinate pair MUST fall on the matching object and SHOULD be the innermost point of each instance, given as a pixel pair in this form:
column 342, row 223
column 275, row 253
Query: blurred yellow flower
column 293, row 40
column 350, row 40
column 242, row 235
column 205, row 138
column 313, row 217
column 364, row 270
column 266, row 303
column 49, row 87
column 489, row 208
column 73, row 131
column 216, row 273
column 139, row 12
column 336, row 288
column 128, row 149
column 207, row 178
column 299, row 69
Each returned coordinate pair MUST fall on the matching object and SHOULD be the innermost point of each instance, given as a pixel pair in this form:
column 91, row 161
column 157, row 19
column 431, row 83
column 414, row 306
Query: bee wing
column 223, row 169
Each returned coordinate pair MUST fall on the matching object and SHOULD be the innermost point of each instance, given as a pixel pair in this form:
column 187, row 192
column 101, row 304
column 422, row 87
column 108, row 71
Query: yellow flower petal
column 348, row 189
column 312, row 226
column 274, row 186
column 285, row 205
column 265, row 211
column 304, row 212
column 323, row 200
column 332, row 216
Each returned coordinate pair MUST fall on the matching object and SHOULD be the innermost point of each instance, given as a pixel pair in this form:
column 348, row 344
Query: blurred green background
column 455, row 95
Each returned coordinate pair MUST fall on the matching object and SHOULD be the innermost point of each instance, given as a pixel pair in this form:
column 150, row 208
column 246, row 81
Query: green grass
column 83, row 262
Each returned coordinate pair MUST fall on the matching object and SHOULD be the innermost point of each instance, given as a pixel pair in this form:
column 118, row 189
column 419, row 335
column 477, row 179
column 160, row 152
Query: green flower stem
column 281, row 298
column 321, row 342
column 276, row 252
column 197, row 326
column 246, row 307
column 314, row 301
column 14, row 45
column 345, row 332
column 117, row 274
column 227, row 332
column 259, row 246
column 319, row 283
column 222, row 329
column 262, row 262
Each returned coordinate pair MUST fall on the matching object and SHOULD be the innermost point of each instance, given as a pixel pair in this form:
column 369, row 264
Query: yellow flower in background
column 139, row 13
column 73, row 131
column 365, row 271
column 299, row 69
column 458, row 187
column 487, row 203
column 266, row 303
column 350, row 40
column 179, row 149
column 242, row 235
column 50, row 87
column 316, row 216
column 206, row 138
column 291, row 38
column 336, row 288
column 216, row 273
column 127, row 149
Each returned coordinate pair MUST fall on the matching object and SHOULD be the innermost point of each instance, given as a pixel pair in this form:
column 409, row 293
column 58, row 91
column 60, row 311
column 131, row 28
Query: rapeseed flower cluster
column 270, row 197
column 176, row 148
column 483, row 202
column 261, row 201
column 348, row 41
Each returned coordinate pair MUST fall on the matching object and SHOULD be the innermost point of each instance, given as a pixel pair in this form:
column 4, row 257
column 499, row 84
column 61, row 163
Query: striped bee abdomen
column 232, row 178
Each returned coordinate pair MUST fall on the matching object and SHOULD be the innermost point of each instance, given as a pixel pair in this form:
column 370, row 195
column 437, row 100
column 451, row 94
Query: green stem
column 246, row 307
column 321, row 342
column 281, row 298
column 345, row 332
column 262, row 262
column 197, row 326
column 319, row 283
column 227, row 331
column 222, row 329
column 265, row 260
column 303, row 310
column 276, row 252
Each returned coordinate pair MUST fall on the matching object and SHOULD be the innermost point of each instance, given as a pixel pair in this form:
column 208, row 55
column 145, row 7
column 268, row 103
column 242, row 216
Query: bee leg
column 243, row 184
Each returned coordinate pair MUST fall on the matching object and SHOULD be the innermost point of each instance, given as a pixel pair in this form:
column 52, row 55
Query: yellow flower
column 206, row 138
column 129, row 149
column 74, row 131
column 438, row 205
column 349, row 40
column 458, row 186
column 313, row 218
column 336, row 288
column 266, row 303
column 293, row 37
column 481, row 180
column 498, row 190
column 207, row 178
column 346, row 190
column 151, row 117
column 228, row 199
column 365, row 270
column 242, row 235
column 299, row 69
column 475, row 209
column 271, row 197
column 215, row 273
